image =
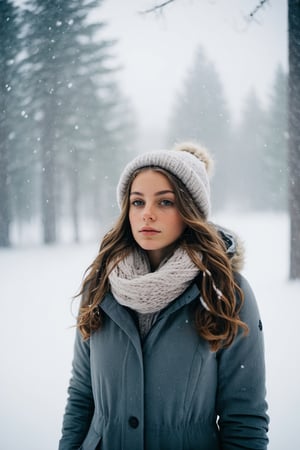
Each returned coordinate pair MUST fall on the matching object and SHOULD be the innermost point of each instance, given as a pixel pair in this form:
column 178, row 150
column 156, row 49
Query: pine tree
column 275, row 155
column 294, row 134
column 72, row 92
column 201, row 114
column 247, row 156
column 10, row 47
column 45, row 46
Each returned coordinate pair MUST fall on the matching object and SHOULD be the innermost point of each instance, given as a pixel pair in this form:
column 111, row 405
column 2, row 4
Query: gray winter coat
column 169, row 392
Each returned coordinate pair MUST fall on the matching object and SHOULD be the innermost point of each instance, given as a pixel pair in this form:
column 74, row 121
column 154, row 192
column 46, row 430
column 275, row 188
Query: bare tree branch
column 160, row 6
column 260, row 5
column 157, row 7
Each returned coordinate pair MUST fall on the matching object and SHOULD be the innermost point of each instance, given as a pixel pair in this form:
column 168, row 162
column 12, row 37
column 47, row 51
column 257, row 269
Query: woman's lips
column 149, row 231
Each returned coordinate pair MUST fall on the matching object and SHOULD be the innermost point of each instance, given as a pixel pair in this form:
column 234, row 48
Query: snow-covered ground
column 37, row 284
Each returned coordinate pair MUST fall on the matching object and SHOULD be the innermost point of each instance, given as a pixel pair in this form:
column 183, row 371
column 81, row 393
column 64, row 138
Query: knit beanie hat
column 189, row 162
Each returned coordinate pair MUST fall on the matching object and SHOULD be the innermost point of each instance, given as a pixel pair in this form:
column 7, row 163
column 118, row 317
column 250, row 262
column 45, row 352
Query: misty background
column 88, row 85
column 85, row 86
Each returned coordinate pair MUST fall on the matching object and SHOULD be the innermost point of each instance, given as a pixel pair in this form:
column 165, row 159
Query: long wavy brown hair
column 219, row 322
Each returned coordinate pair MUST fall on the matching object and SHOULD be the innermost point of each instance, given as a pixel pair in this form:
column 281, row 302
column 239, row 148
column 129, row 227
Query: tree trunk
column 294, row 135
column 4, row 176
column 48, row 208
column 48, row 198
column 75, row 194
column 4, row 193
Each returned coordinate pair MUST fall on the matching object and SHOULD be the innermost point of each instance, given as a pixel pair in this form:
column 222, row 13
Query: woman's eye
column 167, row 203
column 137, row 202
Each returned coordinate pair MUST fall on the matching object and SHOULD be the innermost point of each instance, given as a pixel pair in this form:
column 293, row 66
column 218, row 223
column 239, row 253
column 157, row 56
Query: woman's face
column 153, row 215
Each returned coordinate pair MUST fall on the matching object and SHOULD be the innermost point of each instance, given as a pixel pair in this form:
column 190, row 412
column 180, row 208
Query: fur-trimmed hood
column 234, row 246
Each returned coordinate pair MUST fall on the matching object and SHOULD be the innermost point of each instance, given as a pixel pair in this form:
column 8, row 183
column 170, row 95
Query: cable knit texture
column 145, row 323
column 188, row 162
column 135, row 286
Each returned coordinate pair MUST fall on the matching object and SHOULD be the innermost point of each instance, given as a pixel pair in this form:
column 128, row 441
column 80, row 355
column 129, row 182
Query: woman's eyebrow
column 167, row 191
column 136, row 193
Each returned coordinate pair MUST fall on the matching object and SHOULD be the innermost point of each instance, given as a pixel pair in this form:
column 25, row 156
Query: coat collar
column 120, row 315
column 184, row 299
column 122, row 318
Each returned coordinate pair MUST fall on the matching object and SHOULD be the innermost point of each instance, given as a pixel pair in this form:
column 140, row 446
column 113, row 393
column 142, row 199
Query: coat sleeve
column 80, row 404
column 241, row 398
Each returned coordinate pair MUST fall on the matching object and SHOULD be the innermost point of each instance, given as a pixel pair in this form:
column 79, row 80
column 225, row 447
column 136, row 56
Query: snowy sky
column 157, row 49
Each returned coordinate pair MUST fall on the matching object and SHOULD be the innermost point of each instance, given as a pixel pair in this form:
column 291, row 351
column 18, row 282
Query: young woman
column 169, row 348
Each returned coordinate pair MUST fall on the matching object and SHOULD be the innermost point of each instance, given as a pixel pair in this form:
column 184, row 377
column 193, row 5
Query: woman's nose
column 148, row 214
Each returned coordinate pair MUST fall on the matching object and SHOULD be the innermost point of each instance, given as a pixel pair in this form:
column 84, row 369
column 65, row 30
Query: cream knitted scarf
column 135, row 286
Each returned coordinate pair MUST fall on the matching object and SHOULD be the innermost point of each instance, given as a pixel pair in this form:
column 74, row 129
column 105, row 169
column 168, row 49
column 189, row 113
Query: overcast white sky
column 157, row 49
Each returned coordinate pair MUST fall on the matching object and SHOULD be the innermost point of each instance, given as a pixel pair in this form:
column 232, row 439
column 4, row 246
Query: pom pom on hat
column 189, row 162
column 198, row 151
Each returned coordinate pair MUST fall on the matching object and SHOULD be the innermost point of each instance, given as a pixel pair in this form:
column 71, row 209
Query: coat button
column 133, row 422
